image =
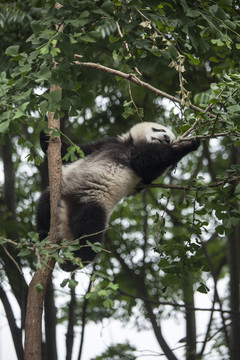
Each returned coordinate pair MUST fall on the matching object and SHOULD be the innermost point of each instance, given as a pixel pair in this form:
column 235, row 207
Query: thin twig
column 165, row 303
column 131, row 97
column 181, row 139
column 208, row 108
column 13, row 260
column 126, row 46
column 190, row 187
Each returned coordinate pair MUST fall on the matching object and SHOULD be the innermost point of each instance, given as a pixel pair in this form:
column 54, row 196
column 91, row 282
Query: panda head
column 149, row 132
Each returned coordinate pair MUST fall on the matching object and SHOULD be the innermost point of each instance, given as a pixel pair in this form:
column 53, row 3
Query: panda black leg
column 87, row 223
column 43, row 215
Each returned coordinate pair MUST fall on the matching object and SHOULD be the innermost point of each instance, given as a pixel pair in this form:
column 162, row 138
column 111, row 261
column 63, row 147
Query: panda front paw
column 195, row 143
column 191, row 144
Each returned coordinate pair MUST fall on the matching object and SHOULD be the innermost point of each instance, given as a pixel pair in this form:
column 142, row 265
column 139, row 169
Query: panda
column 112, row 169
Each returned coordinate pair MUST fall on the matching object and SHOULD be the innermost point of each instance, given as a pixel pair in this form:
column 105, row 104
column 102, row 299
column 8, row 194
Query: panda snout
column 167, row 139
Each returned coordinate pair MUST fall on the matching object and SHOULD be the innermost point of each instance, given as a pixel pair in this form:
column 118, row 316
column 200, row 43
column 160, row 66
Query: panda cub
column 112, row 169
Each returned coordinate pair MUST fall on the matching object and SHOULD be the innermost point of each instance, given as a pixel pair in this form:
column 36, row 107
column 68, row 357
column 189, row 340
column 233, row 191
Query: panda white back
column 99, row 179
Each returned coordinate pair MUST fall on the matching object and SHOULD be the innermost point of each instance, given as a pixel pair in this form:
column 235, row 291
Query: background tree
column 178, row 64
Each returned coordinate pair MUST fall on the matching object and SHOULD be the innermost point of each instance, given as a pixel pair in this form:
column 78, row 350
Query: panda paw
column 191, row 144
column 195, row 143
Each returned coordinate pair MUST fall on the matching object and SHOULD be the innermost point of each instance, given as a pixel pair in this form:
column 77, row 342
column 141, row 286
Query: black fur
column 147, row 160
column 84, row 219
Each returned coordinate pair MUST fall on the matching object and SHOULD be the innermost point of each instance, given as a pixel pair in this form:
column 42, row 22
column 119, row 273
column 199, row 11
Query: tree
column 116, row 62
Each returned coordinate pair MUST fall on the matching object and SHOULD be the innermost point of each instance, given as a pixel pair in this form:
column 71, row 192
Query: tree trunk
column 71, row 323
column 9, row 180
column 234, row 270
column 15, row 331
column 233, row 261
column 15, row 278
column 188, row 295
column 33, row 331
column 50, row 348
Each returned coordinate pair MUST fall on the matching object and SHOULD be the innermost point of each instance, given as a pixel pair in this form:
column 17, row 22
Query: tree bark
column 33, row 331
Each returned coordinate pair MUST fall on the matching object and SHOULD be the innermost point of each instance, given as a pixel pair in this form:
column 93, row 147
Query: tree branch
column 190, row 187
column 84, row 316
column 174, row 304
column 136, row 80
column 15, row 331
column 71, row 322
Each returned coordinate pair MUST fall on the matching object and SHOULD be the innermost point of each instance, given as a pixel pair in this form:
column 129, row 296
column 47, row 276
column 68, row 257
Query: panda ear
column 130, row 138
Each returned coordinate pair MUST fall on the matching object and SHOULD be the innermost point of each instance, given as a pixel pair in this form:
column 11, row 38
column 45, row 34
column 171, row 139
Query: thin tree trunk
column 15, row 331
column 84, row 317
column 71, row 323
column 234, row 269
column 188, row 295
column 15, row 278
column 233, row 261
column 158, row 332
column 50, row 348
column 9, row 179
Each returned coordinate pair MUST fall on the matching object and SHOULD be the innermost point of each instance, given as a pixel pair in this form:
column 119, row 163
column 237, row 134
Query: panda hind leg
column 43, row 215
column 87, row 222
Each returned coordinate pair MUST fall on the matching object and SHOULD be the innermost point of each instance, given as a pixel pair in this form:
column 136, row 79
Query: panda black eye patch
column 158, row 130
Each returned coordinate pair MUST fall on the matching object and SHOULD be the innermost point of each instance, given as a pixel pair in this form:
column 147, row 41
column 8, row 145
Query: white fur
column 144, row 132
column 98, row 179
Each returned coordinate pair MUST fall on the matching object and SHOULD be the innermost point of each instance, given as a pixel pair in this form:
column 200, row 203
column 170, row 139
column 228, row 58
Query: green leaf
column 193, row 59
column 113, row 286
column 64, row 283
column 225, row 3
column 108, row 7
column 56, row 95
column 173, row 52
column 97, row 246
column 4, row 126
column 83, row 19
column 72, row 284
column 233, row 108
column 39, row 287
column 117, row 56
column 203, row 289
column 108, row 303
column 102, row 292
column 44, row 50
column 12, row 50
column 24, row 252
